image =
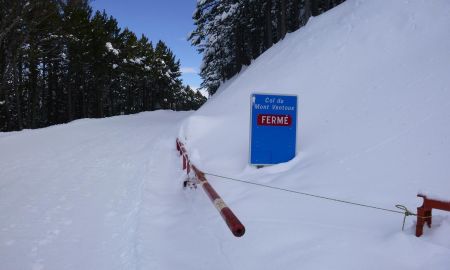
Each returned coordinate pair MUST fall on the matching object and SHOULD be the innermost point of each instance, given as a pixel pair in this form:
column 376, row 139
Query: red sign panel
column 274, row 120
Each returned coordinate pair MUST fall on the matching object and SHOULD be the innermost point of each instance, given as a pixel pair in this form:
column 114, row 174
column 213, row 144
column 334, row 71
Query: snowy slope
column 373, row 83
column 373, row 86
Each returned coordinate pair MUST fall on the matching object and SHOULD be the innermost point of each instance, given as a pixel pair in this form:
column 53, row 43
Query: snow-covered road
column 74, row 196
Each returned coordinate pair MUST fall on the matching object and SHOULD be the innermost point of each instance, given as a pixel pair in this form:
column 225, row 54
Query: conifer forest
column 60, row 61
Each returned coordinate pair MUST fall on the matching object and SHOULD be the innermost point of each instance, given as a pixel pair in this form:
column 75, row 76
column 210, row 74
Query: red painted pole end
column 233, row 222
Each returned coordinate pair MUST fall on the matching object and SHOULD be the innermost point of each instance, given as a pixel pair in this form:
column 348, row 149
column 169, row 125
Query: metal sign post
column 273, row 133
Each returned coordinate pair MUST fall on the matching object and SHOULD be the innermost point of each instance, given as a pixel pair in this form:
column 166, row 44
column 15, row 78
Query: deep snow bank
column 372, row 78
column 373, row 83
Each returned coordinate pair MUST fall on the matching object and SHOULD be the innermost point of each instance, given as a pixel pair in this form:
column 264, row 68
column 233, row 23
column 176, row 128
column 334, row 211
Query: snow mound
column 374, row 95
column 372, row 78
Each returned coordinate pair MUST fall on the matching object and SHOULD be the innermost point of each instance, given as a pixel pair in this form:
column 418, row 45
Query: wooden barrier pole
column 228, row 216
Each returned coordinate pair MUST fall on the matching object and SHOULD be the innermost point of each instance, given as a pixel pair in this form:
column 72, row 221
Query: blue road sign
column 273, row 133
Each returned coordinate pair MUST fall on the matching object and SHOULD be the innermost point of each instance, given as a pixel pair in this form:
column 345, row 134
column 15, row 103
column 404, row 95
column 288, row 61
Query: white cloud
column 188, row 70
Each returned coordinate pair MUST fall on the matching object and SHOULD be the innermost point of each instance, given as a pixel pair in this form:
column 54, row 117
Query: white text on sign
column 274, row 120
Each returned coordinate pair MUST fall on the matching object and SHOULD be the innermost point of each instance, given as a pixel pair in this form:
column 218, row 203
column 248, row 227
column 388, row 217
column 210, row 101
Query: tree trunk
column 241, row 57
column 33, row 86
column 17, row 91
column 282, row 19
column 99, row 99
column 268, row 24
column 295, row 16
column 314, row 7
column 84, row 101
column 2, row 90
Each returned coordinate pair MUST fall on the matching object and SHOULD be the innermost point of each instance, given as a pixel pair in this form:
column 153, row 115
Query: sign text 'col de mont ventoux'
column 273, row 132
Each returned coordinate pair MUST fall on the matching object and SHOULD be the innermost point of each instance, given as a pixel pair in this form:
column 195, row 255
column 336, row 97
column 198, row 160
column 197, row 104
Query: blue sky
column 168, row 20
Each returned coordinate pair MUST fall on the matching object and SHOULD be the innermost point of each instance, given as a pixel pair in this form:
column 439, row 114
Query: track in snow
column 73, row 196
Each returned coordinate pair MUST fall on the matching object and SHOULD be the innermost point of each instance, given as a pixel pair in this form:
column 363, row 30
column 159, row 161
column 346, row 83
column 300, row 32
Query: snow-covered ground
column 374, row 111
column 76, row 196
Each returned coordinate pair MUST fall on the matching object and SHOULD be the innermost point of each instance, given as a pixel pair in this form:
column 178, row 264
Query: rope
column 404, row 211
column 407, row 213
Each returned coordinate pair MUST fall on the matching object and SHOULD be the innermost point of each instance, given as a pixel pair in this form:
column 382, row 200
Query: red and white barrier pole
column 228, row 216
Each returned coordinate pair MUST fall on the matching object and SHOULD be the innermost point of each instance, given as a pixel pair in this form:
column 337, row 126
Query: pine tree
column 60, row 62
column 230, row 33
